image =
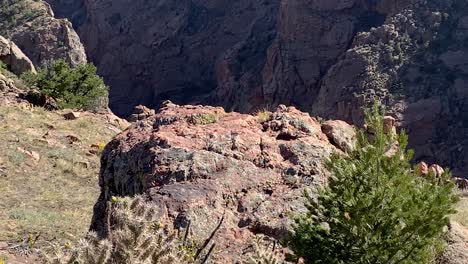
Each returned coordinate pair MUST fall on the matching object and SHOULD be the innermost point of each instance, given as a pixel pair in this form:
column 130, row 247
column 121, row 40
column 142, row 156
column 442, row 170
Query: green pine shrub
column 376, row 208
column 78, row 87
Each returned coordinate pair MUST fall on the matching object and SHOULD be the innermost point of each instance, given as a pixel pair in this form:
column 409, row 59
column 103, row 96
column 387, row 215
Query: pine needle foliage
column 78, row 87
column 376, row 208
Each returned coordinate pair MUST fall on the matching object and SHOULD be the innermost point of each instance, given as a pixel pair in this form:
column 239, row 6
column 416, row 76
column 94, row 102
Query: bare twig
column 207, row 241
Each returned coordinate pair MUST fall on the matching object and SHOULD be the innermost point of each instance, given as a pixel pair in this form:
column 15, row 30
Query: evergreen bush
column 376, row 207
column 78, row 87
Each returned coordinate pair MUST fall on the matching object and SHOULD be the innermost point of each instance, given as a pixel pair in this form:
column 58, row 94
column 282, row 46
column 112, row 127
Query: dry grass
column 462, row 215
column 52, row 195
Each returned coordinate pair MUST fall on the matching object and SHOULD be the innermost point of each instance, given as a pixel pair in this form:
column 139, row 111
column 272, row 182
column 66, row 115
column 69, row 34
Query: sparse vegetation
column 202, row 119
column 48, row 185
column 462, row 212
column 136, row 237
column 264, row 255
column 376, row 208
column 78, row 87
column 263, row 115
column 3, row 67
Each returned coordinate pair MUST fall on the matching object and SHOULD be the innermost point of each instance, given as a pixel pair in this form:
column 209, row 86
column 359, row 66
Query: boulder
column 423, row 168
column 340, row 133
column 252, row 173
column 14, row 58
column 37, row 98
column 72, row 115
column 436, row 170
column 140, row 112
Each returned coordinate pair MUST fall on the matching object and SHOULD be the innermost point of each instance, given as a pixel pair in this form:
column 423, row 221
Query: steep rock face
column 416, row 64
column 242, row 55
column 310, row 36
column 327, row 57
column 200, row 163
column 169, row 49
column 43, row 38
column 74, row 10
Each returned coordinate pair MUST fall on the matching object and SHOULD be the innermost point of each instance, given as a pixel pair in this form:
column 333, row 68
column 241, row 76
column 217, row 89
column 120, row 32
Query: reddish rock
column 72, row 115
column 423, row 168
column 72, row 138
column 252, row 173
column 140, row 112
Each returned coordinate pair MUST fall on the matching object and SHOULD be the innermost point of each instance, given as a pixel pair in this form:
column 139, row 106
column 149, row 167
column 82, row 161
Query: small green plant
column 78, row 87
column 263, row 115
column 376, row 208
column 202, row 119
column 100, row 148
column 3, row 259
column 3, row 67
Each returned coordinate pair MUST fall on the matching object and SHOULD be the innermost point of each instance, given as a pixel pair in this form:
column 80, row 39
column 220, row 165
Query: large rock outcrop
column 14, row 58
column 43, row 38
column 200, row 163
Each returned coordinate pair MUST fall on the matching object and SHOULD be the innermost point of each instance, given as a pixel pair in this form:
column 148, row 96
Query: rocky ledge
column 199, row 163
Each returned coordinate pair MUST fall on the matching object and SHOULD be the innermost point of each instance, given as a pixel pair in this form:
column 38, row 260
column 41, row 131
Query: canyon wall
column 327, row 57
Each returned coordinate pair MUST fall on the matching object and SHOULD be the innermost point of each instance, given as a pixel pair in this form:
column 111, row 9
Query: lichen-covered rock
column 252, row 173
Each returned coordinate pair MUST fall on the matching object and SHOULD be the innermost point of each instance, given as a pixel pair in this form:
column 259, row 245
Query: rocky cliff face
column 326, row 57
column 43, row 38
column 243, row 55
column 199, row 163
column 170, row 49
column 416, row 63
